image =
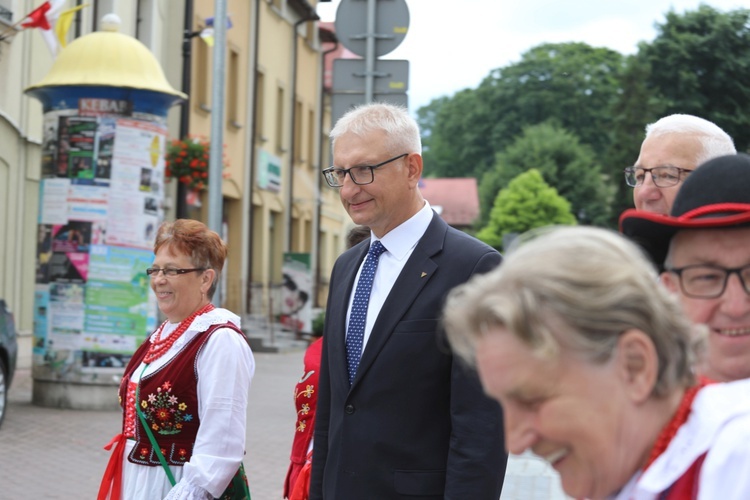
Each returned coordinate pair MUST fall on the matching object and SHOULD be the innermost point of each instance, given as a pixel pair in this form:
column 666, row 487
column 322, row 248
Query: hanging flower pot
column 187, row 161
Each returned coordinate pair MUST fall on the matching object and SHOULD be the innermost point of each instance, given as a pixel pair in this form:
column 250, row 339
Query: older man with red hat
column 704, row 248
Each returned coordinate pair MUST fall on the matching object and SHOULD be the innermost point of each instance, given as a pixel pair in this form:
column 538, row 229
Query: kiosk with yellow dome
column 105, row 104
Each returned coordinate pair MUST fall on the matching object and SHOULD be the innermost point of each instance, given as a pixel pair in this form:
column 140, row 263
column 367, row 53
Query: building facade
column 275, row 136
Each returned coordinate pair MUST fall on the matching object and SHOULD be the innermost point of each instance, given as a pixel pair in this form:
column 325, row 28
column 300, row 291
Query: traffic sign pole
column 370, row 56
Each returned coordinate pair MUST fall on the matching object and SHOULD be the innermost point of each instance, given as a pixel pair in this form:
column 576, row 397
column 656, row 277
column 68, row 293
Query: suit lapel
column 417, row 272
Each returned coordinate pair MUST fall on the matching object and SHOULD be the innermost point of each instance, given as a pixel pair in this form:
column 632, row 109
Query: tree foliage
column 572, row 82
column 700, row 65
column 636, row 106
column 563, row 161
column 527, row 203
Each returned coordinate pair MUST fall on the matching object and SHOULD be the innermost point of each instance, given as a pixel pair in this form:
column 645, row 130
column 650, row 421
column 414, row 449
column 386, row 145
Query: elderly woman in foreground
column 591, row 360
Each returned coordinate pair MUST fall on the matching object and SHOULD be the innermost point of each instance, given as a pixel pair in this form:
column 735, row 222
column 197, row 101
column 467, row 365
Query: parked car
column 8, row 355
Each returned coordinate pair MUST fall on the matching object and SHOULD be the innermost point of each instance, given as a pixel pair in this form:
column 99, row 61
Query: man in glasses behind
column 674, row 146
column 705, row 250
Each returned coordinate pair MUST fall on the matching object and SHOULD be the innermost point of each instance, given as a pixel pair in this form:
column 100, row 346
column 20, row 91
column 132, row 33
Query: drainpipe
column 253, row 157
column 187, row 67
column 326, row 36
column 310, row 16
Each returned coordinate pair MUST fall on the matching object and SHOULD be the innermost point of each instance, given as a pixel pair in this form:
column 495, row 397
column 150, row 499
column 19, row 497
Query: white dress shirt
column 399, row 244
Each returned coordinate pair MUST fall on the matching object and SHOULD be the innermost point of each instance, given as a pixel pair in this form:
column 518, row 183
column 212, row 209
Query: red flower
column 187, row 160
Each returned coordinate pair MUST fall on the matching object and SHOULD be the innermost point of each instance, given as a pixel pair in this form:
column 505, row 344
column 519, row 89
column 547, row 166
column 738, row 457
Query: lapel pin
column 423, row 274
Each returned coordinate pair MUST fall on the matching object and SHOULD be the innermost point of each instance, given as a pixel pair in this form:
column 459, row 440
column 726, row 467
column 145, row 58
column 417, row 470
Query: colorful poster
column 41, row 323
column 118, row 315
column 105, row 151
column 77, row 147
column 296, row 292
column 43, row 252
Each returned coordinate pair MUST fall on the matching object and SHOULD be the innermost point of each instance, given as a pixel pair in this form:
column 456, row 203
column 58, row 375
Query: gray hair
column 400, row 128
column 577, row 289
column 714, row 140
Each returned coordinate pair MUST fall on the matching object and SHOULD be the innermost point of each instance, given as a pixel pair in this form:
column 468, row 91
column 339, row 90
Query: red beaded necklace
column 680, row 417
column 162, row 345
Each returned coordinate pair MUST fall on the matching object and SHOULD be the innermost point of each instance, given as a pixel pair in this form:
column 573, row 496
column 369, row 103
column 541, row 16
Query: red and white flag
column 44, row 18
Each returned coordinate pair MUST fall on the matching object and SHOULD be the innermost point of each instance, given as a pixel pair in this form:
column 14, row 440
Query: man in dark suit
column 406, row 419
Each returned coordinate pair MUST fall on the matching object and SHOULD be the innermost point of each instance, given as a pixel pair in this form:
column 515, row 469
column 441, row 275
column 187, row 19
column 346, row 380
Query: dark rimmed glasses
column 171, row 272
column 361, row 175
column 703, row 281
column 665, row 176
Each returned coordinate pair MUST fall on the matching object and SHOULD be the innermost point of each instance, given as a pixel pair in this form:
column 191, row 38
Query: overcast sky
column 454, row 44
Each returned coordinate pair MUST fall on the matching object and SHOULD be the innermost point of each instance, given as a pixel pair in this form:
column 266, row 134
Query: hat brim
column 653, row 232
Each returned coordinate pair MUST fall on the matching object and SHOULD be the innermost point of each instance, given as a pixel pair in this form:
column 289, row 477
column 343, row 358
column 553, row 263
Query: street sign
column 391, row 75
column 341, row 103
column 391, row 25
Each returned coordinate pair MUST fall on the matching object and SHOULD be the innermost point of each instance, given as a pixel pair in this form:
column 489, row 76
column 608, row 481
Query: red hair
column 193, row 238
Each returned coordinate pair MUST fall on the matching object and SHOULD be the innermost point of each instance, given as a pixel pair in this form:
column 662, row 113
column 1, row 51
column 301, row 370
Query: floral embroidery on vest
column 164, row 412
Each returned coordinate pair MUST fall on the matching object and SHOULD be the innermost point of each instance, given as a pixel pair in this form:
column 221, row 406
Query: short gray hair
column 401, row 129
column 578, row 289
column 714, row 140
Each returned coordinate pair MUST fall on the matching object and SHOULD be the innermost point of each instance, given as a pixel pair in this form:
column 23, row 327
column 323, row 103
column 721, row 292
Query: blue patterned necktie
column 357, row 318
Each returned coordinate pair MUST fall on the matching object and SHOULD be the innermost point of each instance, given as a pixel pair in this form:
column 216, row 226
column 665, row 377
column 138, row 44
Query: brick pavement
column 49, row 453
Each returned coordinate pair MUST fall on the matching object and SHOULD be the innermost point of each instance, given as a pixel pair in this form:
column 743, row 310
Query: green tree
column 456, row 130
column 700, row 64
column 527, row 203
column 636, row 106
column 573, row 83
column 568, row 166
column 426, row 116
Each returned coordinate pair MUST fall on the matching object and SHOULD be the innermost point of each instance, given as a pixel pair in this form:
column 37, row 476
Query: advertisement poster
column 65, row 316
column 117, row 316
column 296, row 292
column 41, row 324
column 76, row 147
column 54, row 201
column 70, row 252
column 137, row 183
column 106, row 148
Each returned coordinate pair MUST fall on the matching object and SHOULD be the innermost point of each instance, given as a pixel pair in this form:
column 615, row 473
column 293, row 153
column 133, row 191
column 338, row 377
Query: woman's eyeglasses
column 171, row 272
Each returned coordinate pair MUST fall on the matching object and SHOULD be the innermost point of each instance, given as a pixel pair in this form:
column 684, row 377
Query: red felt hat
column 714, row 196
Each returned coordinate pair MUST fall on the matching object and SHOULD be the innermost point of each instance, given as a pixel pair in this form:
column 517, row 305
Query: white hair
column 401, row 129
column 714, row 140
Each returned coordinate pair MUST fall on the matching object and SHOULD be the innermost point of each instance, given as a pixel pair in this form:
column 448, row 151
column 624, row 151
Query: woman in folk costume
column 297, row 482
column 591, row 359
column 185, row 388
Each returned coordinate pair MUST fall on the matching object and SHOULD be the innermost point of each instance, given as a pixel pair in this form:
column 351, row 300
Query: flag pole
column 11, row 28
column 24, row 18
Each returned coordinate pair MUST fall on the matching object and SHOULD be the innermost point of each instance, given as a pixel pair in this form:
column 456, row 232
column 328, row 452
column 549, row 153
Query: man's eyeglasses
column 665, row 176
column 709, row 282
column 361, row 175
column 171, row 272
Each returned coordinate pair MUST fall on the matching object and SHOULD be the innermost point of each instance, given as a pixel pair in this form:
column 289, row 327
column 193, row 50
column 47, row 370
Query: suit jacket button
column 349, row 409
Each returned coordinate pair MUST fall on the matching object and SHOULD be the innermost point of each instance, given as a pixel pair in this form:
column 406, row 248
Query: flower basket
column 187, row 161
